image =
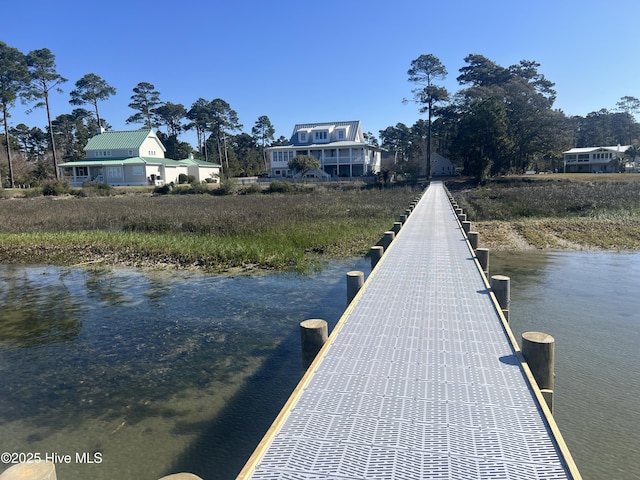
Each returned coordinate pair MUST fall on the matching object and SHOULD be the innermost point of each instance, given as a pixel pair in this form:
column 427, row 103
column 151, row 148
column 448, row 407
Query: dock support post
column 313, row 333
column 501, row 286
column 473, row 239
column 462, row 217
column 376, row 254
column 466, row 226
column 181, row 476
column 355, row 281
column 30, row 471
column 389, row 236
column 396, row 227
column 538, row 350
column 482, row 254
column 403, row 219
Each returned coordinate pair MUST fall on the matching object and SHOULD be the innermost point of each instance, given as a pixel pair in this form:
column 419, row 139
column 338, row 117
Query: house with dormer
column 134, row 157
column 595, row 159
column 339, row 146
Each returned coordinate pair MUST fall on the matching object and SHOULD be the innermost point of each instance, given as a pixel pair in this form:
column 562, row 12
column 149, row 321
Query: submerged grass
column 205, row 232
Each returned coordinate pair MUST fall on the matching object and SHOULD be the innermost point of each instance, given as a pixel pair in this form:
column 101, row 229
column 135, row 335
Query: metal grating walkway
column 419, row 379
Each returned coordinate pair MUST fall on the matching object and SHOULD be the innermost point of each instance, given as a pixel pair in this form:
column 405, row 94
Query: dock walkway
column 420, row 378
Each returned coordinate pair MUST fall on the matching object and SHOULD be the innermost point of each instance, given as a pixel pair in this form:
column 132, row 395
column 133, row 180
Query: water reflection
column 157, row 371
column 34, row 312
column 588, row 301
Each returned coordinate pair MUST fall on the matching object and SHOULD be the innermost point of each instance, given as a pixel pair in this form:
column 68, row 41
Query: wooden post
column 462, row 217
column 538, row 350
column 473, row 239
column 30, row 471
column 355, row 281
column 396, row 227
column 376, row 254
column 482, row 254
column 313, row 333
column 466, row 226
column 389, row 236
column 501, row 286
column 458, row 210
column 181, row 476
column 403, row 219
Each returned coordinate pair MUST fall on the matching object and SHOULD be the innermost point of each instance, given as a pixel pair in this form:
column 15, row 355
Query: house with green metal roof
column 133, row 157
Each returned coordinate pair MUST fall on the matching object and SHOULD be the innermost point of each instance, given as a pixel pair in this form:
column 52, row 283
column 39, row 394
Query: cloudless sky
column 329, row 60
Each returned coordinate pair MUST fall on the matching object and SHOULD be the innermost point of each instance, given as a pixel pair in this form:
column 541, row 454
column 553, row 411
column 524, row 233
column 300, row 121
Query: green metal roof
column 119, row 140
column 200, row 163
column 123, row 161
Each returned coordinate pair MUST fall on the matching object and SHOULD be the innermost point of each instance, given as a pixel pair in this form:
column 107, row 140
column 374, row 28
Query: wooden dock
column 421, row 378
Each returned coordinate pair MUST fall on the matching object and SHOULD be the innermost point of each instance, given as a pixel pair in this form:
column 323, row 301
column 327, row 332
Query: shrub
column 253, row 189
column 183, row 178
column 163, row 190
column 55, row 188
column 227, row 186
column 278, row 186
column 97, row 189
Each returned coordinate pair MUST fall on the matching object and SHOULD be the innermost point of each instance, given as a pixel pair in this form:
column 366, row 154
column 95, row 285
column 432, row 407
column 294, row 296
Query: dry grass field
column 555, row 211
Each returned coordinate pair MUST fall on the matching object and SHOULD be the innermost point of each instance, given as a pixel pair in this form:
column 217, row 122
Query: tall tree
column 14, row 77
column 91, row 89
column 44, row 80
column 423, row 72
column 262, row 133
column 630, row 106
column 145, row 99
column 171, row 115
column 200, row 117
column 223, row 120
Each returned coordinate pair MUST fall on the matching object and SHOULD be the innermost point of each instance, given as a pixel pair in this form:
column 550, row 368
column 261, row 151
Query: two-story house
column 339, row 146
column 133, row 157
column 594, row 159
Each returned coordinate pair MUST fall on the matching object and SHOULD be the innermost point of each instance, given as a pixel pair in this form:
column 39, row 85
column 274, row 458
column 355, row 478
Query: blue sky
column 331, row 60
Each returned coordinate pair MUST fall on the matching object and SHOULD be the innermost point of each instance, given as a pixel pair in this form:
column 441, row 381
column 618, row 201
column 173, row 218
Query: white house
column 441, row 166
column 133, row 157
column 339, row 146
column 594, row 159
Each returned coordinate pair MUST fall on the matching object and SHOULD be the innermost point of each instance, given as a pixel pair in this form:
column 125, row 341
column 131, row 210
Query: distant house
column 133, row 157
column 339, row 146
column 595, row 159
column 441, row 166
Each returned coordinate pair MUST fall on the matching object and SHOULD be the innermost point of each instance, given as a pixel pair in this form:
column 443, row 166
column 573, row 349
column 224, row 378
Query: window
column 114, row 172
column 152, row 153
column 130, row 153
column 320, row 136
column 82, row 171
column 341, row 134
column 302, row 137
column 138, row 170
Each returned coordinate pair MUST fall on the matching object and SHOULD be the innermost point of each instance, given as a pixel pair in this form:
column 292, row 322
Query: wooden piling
column 396, row 227
column 538, row 350
column 181, row 476
column 466, row 226
column 403, row 219
column 473, row 239
column 355, row 281
column 501, row 287
column 30, row 471
column 313, row 333
column 389, row 236
column 482, row 254
column 462, row 217
column 376, row 254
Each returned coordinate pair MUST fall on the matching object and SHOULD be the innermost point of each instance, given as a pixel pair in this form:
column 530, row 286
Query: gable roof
column 121, row 140
column 353, row 131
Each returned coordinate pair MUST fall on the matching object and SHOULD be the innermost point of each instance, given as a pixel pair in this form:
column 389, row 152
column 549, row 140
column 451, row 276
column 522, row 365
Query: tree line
column 501, row 121
column 32, row 78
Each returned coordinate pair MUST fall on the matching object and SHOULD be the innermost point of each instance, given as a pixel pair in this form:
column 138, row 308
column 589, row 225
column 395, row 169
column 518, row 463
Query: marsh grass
column 560, row 211
column 199, row 231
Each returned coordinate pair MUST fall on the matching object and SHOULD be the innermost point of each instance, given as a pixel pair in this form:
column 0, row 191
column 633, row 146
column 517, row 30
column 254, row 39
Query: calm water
column 590, row 303
column 154, row 372
column 166, row 372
